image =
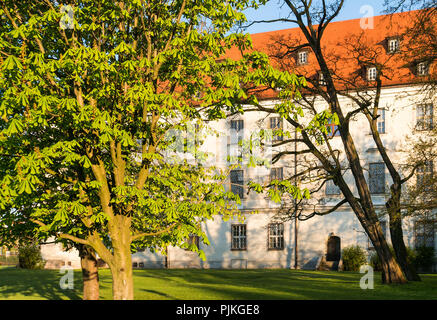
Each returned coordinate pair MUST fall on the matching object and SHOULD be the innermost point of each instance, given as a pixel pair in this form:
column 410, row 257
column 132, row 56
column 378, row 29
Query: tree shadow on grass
column 164, row 295
column 37, row 284
column 284, row 284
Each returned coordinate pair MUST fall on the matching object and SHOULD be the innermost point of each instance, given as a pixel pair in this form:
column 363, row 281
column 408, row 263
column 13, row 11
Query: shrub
column 353, row 258
column 419, row 258
column 424, row 258
column 29, row 257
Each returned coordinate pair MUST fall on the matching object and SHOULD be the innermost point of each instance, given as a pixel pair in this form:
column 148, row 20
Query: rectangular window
column 422, row 69
column 237, row 125
column 424, row 119
column 424, row 233
column 393, row 45
column 424, row 176
column 377, row 178
column 332, row 129
column 322, row 81
column 236, row 134
column 237, row 182
column 193, row 240
column 276, row 124
column 276, row 174
column 276, row 236
column 302, row 57
column 371, row 73
column 239, row 238
column 331, row 188
column 380, row 122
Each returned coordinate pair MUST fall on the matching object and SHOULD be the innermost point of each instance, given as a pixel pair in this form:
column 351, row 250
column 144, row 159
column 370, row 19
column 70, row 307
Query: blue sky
column 274, row 10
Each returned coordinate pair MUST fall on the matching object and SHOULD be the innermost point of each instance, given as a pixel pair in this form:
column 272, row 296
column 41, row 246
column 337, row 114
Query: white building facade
column 263, row 240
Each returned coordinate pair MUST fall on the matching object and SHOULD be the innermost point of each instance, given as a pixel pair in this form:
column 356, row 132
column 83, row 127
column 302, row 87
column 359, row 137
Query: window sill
column 238, row 249
column 381, row 133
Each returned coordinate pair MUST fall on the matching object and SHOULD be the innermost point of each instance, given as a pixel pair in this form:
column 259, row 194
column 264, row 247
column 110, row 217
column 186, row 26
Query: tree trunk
column 122, row 280
column 391, row 271
column 121, row 264
column 397, row 236
column 90, row 273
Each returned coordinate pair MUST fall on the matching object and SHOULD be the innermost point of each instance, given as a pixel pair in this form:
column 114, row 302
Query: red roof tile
column 343, row 43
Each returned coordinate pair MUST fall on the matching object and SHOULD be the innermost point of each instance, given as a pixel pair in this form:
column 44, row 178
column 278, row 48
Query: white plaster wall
column 400, row 119
column 56, row 257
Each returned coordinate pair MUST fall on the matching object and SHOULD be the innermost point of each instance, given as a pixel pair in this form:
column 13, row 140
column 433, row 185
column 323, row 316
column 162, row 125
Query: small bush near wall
column 353, row 258
column 424, row 259
column 421, row 258
column 29, row 257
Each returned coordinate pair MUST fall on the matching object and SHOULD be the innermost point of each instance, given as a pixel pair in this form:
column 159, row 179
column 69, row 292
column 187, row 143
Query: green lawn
column 217, row 284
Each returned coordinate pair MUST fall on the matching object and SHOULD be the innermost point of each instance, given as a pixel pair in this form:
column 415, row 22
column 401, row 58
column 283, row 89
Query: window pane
column 331, row 188
column 424, row 117
column 381, row 121
column 276, row 236
column 377, row 177
column 276, row 174
column 238, row 237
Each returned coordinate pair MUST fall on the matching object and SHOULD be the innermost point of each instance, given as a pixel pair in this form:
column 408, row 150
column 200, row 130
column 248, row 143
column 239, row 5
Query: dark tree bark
column 362, row 205
column 90, row 273
column 396, row 233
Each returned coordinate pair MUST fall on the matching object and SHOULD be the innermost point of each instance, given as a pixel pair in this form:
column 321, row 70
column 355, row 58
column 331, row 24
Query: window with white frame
column 393, row 45
column 331, row 189
column 422, row 68
column 276, row 236
column 377, row 178
column 276, row 174
column 424, row 233
column 234, row 147
column 322, row 80
column 302, row 57
column 424, row 175
column 237, row 183
column 332, row 128
column 193, row 240
column 371, row 73
column 424, row 120
column 239, row 237
column 380, row 122
column 237, row 125
column 275, row 124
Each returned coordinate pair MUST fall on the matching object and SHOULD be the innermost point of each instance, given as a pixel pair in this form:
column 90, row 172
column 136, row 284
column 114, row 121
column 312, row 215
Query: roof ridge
column 342, row 21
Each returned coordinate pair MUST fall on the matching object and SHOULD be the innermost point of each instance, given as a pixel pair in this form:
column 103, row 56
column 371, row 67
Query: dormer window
column 371, row 73
column 422, row 68
column 393, row 45
column 302, row 57
column 322, row 80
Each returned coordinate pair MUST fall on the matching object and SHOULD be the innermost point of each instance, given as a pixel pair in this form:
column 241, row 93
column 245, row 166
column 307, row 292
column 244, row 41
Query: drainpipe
column 296, row 257
column 167, row 259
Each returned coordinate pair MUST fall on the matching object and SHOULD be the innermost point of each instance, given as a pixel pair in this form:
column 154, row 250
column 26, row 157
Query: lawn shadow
column 282, row 284
column 256, row 284
column 44, row 284
column 160, row 294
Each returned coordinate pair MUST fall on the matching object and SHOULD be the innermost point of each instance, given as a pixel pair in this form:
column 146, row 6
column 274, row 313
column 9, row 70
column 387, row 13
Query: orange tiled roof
column 347, row 47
